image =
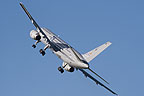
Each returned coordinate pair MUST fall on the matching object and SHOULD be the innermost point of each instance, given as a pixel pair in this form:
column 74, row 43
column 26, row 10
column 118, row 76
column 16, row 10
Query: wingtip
column 108, row 83
column 108, row 43
column 117, row 94
column 21, row 3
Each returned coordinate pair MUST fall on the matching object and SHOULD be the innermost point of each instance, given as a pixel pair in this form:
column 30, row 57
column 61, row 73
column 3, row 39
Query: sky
column 85, row 25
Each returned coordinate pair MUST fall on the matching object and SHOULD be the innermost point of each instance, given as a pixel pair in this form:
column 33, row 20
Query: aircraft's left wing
column 97, row 82
column 34, row 22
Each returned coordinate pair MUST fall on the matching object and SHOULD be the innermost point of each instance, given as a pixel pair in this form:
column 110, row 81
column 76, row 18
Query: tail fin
column 92, row 54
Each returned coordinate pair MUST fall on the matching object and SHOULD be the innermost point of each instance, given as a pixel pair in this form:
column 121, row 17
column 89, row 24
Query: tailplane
column 95, row 52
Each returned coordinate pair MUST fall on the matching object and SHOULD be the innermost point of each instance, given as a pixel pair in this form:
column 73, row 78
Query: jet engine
column 35, row 35
column 67, row 67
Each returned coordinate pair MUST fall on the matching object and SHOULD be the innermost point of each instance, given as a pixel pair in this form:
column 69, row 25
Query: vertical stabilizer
column 95, row 52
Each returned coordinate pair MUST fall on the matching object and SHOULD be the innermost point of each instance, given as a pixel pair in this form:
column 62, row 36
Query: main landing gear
column 34, row 45
column 42, row 51
column 60, row 69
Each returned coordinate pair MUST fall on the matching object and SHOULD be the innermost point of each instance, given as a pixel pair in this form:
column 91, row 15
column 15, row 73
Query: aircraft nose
column 82, row 65
column 86, row 66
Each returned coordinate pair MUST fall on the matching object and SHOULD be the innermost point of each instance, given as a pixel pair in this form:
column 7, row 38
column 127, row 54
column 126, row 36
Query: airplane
column 72, row 59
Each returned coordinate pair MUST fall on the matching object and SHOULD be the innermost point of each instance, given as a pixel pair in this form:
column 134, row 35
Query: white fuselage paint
column 63, row 51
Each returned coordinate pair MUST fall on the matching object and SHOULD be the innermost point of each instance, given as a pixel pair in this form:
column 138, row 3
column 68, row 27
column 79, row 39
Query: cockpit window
column 84, row 61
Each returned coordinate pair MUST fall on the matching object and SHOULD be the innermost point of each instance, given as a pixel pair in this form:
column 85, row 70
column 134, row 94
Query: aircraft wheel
column 60, row 69
column 34, row 46
column 42, row 52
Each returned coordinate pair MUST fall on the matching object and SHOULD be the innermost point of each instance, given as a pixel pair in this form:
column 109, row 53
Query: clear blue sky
column 84, row 24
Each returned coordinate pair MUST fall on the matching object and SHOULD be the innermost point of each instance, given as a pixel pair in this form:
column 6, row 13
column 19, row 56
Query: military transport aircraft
column 72, row 59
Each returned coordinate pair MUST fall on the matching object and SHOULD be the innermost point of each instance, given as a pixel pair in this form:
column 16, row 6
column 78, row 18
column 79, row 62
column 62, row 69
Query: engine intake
column 71, row 69
column 35, row 35
column 68, row 68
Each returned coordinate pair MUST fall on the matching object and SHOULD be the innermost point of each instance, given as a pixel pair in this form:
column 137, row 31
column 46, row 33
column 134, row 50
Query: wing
column 92, row 54
column 34, row 22
column 97, row 82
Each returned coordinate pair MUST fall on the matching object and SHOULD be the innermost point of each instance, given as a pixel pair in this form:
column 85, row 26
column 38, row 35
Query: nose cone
column 80, row 65
column 86, row 66
column 83, row 66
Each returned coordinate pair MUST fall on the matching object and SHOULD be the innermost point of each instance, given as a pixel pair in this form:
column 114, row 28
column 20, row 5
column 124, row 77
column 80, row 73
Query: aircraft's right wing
column 97, row 82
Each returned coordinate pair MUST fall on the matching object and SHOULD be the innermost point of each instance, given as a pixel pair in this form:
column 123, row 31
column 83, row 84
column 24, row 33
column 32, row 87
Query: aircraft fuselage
column 63, row 51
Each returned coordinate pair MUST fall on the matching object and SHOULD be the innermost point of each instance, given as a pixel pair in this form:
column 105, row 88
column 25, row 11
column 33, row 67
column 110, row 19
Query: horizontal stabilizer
column 92, row 54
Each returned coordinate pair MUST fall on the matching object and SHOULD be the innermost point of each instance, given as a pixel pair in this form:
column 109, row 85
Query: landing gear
column 34, row 46
column 42, row 52
column 60, row 69
column 46, row 47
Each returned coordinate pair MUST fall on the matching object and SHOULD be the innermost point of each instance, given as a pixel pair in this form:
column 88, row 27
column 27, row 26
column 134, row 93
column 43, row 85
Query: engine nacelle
column 35, row 35
column 67, row 67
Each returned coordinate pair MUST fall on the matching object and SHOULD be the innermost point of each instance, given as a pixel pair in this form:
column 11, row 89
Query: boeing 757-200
column 72, row 59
